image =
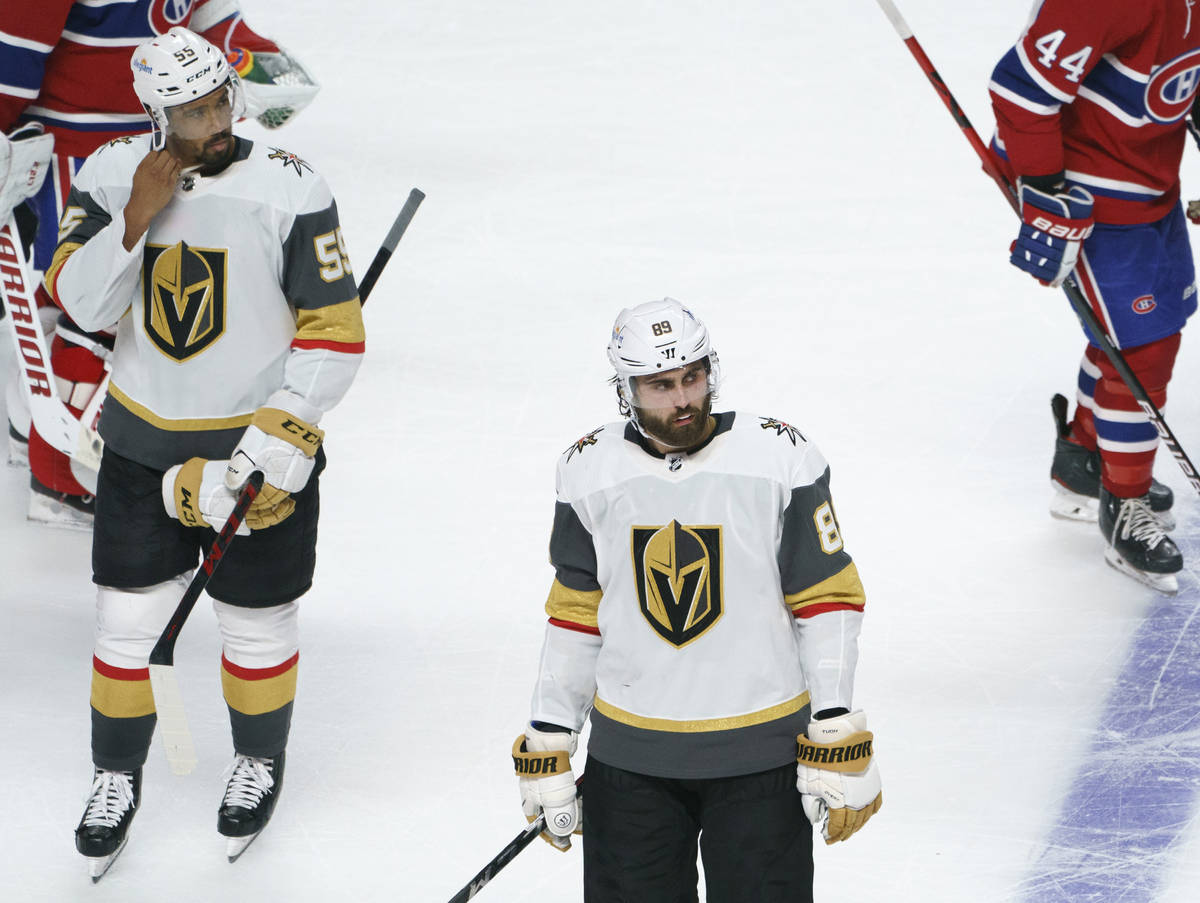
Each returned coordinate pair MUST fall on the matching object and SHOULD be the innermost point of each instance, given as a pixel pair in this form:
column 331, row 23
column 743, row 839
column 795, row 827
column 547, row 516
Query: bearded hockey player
column 1091, row 107
column 64, row 72
column 705, row 611
column 239, row 326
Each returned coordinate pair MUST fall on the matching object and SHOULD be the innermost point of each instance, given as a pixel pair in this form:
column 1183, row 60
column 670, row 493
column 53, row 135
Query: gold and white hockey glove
column 282, row 446
column 196, row 495
column 836, row 775
column 542, row 760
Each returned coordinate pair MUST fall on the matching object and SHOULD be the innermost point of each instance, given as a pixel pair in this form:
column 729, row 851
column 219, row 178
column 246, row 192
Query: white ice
column 786, row 169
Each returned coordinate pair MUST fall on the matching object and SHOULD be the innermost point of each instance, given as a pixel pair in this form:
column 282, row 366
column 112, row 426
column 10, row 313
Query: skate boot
column 250, row 797
column 1137, row 545
column 58, row 509
column 104, row 828
column 1075, row 477
column 18, row 447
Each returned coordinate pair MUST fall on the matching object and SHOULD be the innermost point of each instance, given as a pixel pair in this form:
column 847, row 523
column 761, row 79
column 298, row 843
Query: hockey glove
column 24, row 159
column 1054, row 228
column 276, row 85
column 196, row 495
column 543, row 763
column 279, row 444
column 836, row 775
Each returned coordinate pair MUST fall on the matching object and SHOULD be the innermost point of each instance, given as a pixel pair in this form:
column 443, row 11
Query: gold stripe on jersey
column 187, row 425
column 341, row 323
column 843, row 588
column 576, row 605
column 61, row 253
column 702, row 725
column 121, row 698
column 257, row 697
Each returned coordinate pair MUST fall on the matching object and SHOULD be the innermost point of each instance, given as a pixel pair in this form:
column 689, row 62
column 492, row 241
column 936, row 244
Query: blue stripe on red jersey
column 21, row 67
column 1114, row 86
column 1011, row 75
column 127, row 20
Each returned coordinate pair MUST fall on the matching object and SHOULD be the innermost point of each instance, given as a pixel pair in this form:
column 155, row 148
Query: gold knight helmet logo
column 184, row 298
column 677, row 570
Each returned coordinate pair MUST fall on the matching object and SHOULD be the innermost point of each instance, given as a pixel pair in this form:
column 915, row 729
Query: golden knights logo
column 782, row 429
column 677, row 571
column 183, row 294
column 578, row 446
column 289, row 159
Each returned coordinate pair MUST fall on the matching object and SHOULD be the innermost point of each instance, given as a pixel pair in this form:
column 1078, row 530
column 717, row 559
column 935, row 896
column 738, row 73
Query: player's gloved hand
column 836, row 775
column 276, row 85
column 1053, row 229
column 543, row 763
column 25, row 154
column 196, row 495
column 1193, row 212
column 279, row 443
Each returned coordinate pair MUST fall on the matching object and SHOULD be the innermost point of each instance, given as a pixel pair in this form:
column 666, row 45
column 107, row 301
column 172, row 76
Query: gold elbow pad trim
column 283, row 425
column 538, row 764
column 849, row 755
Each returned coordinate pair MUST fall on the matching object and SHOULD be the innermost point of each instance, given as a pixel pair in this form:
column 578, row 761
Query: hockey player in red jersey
column 224, row 362
column 705, row 612
column 64, row 64
column 1090, row 109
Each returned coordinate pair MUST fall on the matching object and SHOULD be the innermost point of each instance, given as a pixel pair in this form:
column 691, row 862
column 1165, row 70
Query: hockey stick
column 168, row 701
column 507, row 855
column 1079, row 303
column 54, row 422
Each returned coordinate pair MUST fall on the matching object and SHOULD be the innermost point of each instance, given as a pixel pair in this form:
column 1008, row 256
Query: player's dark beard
column 664, row 429
column 213, row 161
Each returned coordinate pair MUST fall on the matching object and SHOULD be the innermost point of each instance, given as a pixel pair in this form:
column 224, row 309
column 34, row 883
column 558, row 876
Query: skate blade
column 1163, row 583
column 50, row 513
column 98, row 865
column 1068, row 505
column 237, row 845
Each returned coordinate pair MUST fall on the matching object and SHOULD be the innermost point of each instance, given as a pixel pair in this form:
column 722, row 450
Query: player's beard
column 212, row 160
column 663, row 427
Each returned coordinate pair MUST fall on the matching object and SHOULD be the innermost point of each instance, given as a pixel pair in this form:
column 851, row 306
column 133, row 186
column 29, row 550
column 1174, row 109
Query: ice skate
column 18, row 448
column 57, row 509
column 104, row 828
column 1075, row 478
column 1137, row 544
column 250, row 797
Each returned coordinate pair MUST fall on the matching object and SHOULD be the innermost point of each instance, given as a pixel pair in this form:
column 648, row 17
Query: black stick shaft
column 1079, row 303
column 403, row 218
column 164, row 650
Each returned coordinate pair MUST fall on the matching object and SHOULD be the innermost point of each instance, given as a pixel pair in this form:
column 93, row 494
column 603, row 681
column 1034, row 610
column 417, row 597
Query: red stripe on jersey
column 571, row 625
column 259, row 673
column 325, row 345
column 115, row 673
column 821, row 607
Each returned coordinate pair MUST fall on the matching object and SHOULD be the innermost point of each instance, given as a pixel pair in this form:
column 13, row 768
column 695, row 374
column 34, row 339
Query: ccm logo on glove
column 302, row 431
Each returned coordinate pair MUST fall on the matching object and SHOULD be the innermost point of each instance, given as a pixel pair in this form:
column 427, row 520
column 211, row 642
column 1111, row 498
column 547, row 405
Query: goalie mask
column 657, row 338
column 177, row 68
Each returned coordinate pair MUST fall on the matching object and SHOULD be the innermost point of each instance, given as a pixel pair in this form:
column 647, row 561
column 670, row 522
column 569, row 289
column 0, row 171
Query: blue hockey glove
column 1053, row 230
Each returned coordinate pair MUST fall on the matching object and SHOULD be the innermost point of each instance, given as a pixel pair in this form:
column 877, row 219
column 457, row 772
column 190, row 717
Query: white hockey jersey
column 697, row 598
column 240, row 289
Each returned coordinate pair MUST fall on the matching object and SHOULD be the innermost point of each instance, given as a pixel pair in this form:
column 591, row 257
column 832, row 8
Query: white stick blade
column 898, row 23
column 172, row 720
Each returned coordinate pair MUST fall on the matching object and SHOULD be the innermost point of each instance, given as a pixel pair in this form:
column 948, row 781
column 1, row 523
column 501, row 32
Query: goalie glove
column 1053, row 229
column 836, row 775
column 276, row 85
column 542, row 760
column 25, row 154
column 279, row 443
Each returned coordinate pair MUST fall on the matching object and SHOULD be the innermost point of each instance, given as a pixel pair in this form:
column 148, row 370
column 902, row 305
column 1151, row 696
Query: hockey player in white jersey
column 705, row 611
column 239, row 326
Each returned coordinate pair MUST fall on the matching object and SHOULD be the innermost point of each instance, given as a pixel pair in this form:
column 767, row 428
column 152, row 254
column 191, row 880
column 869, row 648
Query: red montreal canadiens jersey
column 1101, row 89
column 66, row 63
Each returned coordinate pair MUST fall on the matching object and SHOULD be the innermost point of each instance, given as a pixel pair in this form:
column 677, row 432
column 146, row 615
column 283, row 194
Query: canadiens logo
column 165, row 13
column 579, row 445
column 782, row 429
column 678, row 574
column 1172, row 87
column 1144, row 304
column 289, row 159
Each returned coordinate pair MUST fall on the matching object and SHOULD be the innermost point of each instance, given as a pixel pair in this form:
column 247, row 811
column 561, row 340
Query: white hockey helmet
column 176, row 68
column 653, row 338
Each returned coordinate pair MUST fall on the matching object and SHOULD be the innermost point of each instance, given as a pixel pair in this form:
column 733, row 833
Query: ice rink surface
column 786, row 170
